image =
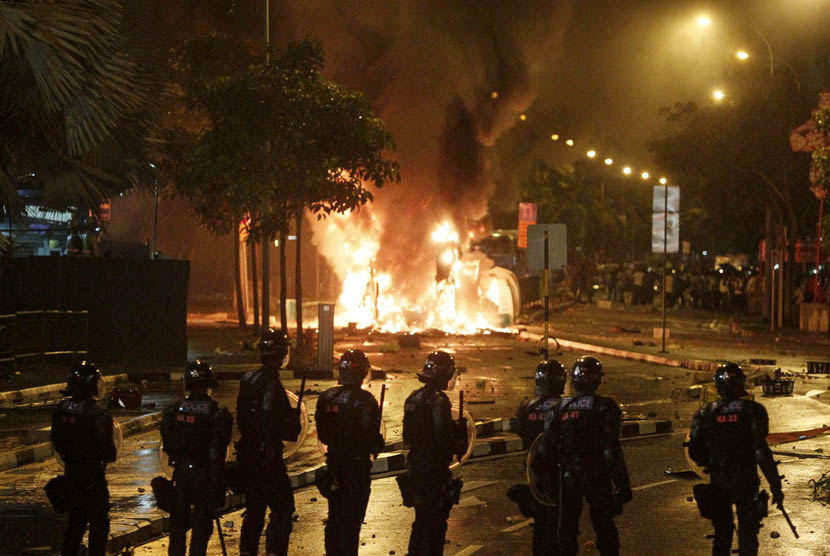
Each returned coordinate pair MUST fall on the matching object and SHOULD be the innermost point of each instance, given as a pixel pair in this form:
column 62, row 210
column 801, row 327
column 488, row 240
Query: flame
column 462, row 299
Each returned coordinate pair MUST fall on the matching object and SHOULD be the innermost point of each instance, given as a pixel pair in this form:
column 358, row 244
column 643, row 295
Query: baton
column 221, row 537
column 382, row 395
column 559, row 509
column 302, row 391
column 789, row 521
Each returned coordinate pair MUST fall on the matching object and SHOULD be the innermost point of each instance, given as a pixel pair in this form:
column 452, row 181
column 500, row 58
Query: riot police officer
column 434, row 438
column 582, row 437
column 82, row 437
column 195, row 432
column 265, row 420
column 550, row 384
column 728, row 438
column 348, row 422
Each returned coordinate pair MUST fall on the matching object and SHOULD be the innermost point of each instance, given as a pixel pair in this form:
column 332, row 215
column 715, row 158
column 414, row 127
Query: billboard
column 527, row 217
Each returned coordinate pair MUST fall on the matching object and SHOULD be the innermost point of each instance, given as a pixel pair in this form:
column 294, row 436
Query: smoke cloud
column 447, row 78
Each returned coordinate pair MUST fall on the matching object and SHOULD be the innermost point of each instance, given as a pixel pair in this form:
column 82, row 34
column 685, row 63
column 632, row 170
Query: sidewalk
column 692, row 335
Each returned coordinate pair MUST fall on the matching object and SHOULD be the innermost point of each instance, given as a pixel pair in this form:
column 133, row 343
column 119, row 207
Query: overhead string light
column 609, row 161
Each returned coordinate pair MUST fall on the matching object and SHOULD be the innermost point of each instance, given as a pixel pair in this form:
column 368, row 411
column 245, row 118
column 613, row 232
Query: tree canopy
column 79, row 95
column 271, row 137
column 734, row 159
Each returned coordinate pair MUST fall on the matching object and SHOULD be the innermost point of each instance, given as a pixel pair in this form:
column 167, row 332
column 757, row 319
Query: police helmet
column 550, row 378
column 273, row 344
column 730, row 381
column 438, row 370
column 198, row 377
column 353, row 367
column 82, row 381
column 586, row 375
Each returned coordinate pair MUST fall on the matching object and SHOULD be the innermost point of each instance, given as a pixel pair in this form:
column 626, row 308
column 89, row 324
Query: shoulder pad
column 365, row 396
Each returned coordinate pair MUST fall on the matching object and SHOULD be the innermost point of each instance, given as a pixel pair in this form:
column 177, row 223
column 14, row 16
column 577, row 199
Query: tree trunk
column 255, row 288
column 266, row 285
column 298, row 279
column 283, row 279
column 237, row 279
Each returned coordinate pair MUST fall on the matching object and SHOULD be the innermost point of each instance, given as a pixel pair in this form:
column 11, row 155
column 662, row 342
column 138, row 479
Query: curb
column 44, row 450
column 131, row 532
column 126, row 532
column 47, row 392
column 693, row 364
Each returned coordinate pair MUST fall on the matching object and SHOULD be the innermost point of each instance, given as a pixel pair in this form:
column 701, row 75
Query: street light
column 523, row 117
column 609, row 161
column 718, row 95
column 591, row 154
column 704, row 21
column 644, row 175
column 554, row 137
column 570, row 142
column 663, row 181
column 627, row 170
column 742, row 55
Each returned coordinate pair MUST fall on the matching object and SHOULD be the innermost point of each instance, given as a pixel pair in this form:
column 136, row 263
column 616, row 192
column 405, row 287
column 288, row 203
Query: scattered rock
column 140, row 489
column 313, row 499
column 774, row 534
column 690, row 499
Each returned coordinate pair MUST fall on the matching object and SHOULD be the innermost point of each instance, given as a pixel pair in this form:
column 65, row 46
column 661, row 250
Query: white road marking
column 474, row 485
column 658, row 483
column 470, row 501
column 517, row 526
column 473, row 548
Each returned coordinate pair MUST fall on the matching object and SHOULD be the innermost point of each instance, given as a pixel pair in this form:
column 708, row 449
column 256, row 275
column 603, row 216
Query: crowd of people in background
column 726, row 289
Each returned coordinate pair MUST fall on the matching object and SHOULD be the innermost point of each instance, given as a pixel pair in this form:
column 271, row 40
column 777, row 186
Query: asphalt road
column 498, row 374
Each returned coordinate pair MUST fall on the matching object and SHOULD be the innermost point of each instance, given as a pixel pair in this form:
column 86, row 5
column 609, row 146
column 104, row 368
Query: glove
column 379, row 445
column 777, row 497
column 621, row 496
column 624, row 495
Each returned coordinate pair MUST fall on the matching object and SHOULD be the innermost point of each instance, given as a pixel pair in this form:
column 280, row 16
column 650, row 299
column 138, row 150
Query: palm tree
column 79, row 91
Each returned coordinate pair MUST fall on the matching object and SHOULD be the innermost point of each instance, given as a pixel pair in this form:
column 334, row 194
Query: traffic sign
column 557, row 246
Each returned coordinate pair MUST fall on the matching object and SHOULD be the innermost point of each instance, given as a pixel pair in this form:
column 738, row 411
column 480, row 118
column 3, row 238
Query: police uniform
column 265, row 420
column 195, row 433
column 729, row 438
column 82, row 435
column 585, row 432
column 348, row 423
column 531, row 415
column 434, row 438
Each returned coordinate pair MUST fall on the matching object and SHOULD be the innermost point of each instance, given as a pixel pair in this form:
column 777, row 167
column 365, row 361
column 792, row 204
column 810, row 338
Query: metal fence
column 30, row 337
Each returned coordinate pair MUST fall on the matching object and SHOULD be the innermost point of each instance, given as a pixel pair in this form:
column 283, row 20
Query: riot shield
column 692, row 465
column 471, row 437
column 290, row 448
column 117, row 439
column 539, row 486
column 164, row 462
